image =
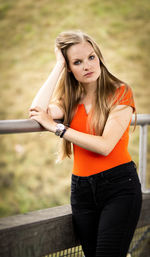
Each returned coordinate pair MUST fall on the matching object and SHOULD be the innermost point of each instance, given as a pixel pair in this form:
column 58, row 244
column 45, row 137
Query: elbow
column 107, row 149
column 104, row 146
column 108, row 146
column 106, row 152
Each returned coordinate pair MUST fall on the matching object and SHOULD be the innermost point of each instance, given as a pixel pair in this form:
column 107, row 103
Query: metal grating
column 141, row 236
column 71, row 252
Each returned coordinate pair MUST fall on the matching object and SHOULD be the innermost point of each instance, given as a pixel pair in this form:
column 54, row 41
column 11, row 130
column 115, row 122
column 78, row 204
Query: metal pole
column 143, row 156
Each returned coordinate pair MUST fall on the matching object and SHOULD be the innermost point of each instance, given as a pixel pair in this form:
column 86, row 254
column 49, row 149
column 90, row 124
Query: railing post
column 143, row 156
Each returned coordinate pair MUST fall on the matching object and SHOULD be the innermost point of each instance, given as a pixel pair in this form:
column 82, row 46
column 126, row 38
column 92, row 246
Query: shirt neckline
column 85, row 109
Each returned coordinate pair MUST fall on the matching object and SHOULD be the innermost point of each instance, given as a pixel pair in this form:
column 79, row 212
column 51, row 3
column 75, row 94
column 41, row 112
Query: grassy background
column 29, row 177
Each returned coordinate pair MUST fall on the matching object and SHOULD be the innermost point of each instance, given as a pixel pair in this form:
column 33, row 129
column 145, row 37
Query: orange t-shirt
column 87, row 163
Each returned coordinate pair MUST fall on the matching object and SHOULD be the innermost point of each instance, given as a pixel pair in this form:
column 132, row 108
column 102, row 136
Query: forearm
column 43, row 96
column 117, row 123
column 89, row 142
column 115, row 127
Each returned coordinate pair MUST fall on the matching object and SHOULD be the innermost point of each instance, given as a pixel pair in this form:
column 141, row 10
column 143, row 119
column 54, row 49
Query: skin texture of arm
column 44, row 94
column 117, row 122
column 55, row 111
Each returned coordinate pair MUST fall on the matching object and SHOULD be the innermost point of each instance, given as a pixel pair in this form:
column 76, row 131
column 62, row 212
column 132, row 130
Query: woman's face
column 83, row 62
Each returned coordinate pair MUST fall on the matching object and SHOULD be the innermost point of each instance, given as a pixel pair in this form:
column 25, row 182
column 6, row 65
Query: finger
column 34, row 118
column 33, row 113
column 33, row 109
column 36, row 108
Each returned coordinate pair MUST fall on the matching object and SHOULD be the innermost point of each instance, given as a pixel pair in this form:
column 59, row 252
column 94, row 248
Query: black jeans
column 106, row 208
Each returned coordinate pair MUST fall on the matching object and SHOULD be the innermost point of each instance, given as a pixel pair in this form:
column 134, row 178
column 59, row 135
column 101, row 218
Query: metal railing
column 143, row 120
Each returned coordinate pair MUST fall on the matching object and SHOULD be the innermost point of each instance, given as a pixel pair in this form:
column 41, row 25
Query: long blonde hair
column 68, row 91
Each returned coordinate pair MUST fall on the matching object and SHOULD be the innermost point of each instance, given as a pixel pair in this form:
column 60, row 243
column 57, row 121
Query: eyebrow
column 79, row 58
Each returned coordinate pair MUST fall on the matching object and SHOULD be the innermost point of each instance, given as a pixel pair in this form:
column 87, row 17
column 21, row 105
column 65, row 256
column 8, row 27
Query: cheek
column 97, row 66
column 76, row 71
column 97, row 62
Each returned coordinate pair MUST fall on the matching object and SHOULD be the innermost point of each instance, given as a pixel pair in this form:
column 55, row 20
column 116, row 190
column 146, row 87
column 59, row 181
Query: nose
column 86, row 65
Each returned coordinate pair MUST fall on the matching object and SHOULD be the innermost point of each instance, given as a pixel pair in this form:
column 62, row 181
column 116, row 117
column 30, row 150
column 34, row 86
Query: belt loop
column 93, row 184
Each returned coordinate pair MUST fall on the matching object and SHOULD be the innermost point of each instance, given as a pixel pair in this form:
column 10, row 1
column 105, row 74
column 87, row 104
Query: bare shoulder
column 56, row 111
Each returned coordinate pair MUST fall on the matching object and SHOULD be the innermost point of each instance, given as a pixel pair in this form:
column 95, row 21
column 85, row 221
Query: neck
column 90, row 88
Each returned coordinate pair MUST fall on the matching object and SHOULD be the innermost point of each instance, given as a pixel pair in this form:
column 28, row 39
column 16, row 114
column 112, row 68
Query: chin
column 90, row 80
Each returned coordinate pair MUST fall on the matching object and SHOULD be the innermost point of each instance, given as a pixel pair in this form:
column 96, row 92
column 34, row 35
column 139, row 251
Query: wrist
column 53, row 127
column 60, row 129
column 60, row 65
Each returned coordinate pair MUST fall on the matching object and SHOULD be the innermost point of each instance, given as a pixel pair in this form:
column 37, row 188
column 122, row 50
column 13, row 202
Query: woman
column 105, row 190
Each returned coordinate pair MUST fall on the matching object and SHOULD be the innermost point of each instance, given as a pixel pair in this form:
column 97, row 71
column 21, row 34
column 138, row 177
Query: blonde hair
column 69, row 91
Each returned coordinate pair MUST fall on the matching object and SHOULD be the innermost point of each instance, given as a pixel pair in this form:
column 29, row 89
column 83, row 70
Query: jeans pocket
column 120, row 180
column 124, row 175
column 134, row 175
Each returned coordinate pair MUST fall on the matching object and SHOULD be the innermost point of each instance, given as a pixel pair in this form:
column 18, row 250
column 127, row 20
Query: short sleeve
column 124, row 97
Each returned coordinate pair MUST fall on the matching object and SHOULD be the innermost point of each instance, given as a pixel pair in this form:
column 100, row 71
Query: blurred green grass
column 29, row 177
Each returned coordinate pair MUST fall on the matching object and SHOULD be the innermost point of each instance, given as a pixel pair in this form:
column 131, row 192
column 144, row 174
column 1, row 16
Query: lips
column 88, row 74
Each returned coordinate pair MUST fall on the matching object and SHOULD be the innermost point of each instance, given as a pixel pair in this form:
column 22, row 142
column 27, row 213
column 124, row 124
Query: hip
column 120, row 181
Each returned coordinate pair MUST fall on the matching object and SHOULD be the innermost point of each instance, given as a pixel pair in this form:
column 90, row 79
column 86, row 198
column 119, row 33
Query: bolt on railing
column 143, row 120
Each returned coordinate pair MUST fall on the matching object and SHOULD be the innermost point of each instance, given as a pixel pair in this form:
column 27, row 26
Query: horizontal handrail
column 28, row 125
column 21, row 126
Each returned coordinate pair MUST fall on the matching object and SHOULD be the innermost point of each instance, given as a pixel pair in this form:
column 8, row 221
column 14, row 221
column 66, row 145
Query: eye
column 92, row 57
column 77, row 62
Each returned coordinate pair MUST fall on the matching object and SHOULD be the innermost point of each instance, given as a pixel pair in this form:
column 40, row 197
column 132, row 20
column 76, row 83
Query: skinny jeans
column 106, row 208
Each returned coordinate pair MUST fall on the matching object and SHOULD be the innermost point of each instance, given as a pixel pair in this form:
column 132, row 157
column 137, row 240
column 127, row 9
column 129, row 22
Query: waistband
column 120, row 168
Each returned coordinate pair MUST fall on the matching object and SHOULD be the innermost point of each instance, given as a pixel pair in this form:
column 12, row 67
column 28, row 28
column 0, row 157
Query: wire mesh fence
column 71, row 252
column 141, row 236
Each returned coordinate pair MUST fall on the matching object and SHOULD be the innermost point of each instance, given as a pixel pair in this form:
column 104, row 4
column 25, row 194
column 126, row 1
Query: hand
column 41, row 116
column 59, row 56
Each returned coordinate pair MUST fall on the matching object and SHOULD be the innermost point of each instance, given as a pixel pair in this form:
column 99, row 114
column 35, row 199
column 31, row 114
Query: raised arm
column 43, row 96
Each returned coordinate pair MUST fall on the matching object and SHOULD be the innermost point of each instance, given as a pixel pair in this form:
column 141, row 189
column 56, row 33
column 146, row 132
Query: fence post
column 143, row 156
